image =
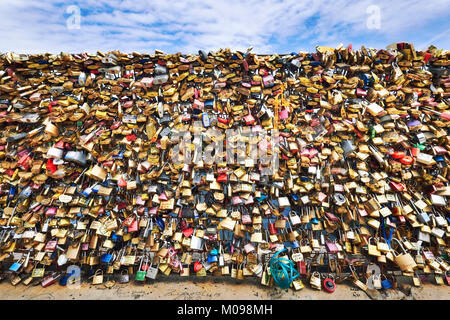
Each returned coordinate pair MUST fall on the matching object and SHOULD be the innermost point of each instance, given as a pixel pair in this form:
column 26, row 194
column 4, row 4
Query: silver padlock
column 423, row 217
column 339, row 199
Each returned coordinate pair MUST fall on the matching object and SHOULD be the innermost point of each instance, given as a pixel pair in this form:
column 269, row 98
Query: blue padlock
column 160, row 223
column 12, row 192
column 65, row 278
column 386, row 284
column 86, row 192
column 205, row 120
column 209, row 103
column 106, row 258
column 114, row 237
column 119, row 156
column 54, row 255
column 287, row 244
column 15, row 266
column 95, row 188
column 212, row 258
column 262, row 198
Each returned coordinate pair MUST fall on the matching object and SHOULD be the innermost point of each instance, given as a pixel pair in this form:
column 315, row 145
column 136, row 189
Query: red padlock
column 222, row 120
column 398, row 154
column 50, row 166
column 447, row 278
column 188, row 232
column 197, row 266
column 222, row 178
column 301, row 267
column 24, row 162
column 133, row 227
column 396, row 186
column 49, row 280
column 329, row 285
column 406, row 160
column 272, row 228
column 122, row 183
column 415, row 152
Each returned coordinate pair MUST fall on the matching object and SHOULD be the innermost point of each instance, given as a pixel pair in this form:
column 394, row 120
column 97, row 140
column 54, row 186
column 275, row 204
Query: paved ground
column 214, row 290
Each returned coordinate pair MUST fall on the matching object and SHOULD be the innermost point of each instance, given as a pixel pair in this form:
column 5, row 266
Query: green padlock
column 140, row 274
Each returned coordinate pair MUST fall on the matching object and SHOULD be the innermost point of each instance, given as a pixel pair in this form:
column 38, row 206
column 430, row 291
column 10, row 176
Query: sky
column 39, row 26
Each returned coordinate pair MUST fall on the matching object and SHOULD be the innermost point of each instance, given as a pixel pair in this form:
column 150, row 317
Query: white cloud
column 186, row 26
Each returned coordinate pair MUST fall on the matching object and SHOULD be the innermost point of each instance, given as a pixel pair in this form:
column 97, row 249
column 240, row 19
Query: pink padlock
column 198, row 105
column 237, row 200
column 305, row 153
column 139, row 201
column 50, row 211
column 268, row 80
column 283, row 114
column 313, row 153
column 163, row 197
column 321, row 197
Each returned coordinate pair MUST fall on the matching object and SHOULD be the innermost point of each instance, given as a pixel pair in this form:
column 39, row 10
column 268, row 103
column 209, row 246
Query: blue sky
column 186, row 26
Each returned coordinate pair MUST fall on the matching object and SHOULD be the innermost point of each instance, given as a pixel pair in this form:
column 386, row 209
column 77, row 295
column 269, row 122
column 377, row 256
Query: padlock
column 386, row 284
column 315, row 281
column 329, row 285
column 113, row 147
column 49, row 280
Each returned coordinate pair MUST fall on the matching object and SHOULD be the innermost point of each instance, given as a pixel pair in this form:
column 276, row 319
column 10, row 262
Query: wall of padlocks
column 92, row 173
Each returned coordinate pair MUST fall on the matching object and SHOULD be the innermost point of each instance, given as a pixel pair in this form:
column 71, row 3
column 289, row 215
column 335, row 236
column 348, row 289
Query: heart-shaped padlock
column 329, row 285
column 188, row 232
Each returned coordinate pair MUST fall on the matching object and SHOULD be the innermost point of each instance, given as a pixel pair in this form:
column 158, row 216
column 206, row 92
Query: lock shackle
column 96, row 272
column 400, row 244
column 353, row 271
